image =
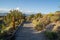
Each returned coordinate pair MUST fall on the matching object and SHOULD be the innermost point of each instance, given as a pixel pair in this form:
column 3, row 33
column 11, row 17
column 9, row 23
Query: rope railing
column 8, row 38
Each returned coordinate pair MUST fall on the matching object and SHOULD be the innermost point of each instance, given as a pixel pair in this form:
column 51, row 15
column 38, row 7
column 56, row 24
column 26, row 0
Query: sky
column 36, row 6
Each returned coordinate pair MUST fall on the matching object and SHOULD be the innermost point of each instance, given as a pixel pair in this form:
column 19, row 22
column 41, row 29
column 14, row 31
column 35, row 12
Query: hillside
column 3, row 14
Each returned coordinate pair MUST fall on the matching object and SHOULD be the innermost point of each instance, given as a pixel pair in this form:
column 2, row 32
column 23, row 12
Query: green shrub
column 51, row 35
column 2, row 35
column 58, row 33
column 38, row 15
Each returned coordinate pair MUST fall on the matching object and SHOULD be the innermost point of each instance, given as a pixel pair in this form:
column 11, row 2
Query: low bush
column 58, row 33
column 51, row 35
column 39, row 27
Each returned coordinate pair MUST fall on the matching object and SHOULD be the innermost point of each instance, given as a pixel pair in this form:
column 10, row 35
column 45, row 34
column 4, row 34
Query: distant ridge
column 3, row 14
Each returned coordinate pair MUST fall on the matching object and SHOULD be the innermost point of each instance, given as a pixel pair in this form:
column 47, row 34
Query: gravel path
column 26, row 32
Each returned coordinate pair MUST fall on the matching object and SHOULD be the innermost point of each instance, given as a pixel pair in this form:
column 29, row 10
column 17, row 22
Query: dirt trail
column 26, row 32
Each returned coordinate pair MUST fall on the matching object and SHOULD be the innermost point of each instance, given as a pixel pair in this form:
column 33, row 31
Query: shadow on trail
column 19, row 28
column 27, row 22
column 28, row 33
